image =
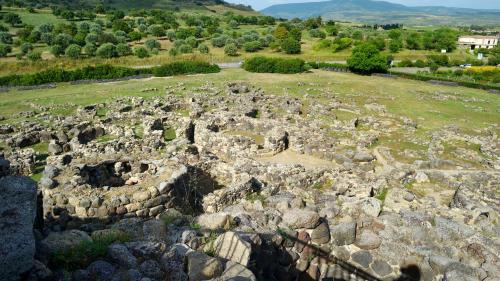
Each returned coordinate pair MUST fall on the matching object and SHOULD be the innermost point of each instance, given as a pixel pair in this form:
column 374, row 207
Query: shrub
column 141, row 52
column 291, row 46
column 90, row 49
column 173, row 52
column 395, row 45
column 220, row 41
column 34, row 56
column 106, row 51
column 5, row 50
column 274, row 65
column 440, row 60
column 420, row 64
column 64, row 40
column 340, row 44
column 185, row 49
column 83, row 254
column 57, row 50
column 231, row 49
column 5, row 38
column 316, row 33
column 123, row 49
column 26, row 48
column 135, row 36
column 152, row 44
column 366, row 59
column 47, row 38
column 203, row 49
column 73, row 51
column 191, row 41
column 252, row 46
column 92, row 38
column 406, row 63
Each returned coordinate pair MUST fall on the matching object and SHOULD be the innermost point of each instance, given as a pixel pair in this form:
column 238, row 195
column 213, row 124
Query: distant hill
column 368, row 11
column 130, row 4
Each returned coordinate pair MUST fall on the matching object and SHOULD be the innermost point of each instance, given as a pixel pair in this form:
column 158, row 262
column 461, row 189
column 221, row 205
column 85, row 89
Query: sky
column 477, row 4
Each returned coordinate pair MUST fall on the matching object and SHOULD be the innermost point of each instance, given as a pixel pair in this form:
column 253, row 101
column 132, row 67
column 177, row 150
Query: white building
column 475, row 41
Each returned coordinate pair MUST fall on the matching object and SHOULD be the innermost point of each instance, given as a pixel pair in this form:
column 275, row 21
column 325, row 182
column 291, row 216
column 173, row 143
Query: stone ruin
column 246, row 186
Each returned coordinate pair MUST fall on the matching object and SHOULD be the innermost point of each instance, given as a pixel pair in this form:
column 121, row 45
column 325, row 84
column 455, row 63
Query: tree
column 5, row 50
column 123, row 49
column 291, row 46
column 73, row 51
column 34, row 56
column 46, row 28
column 231, row 50
column 12, row 19
column 106, row 51
column 296, row 33
column 494, row 56
column 203, row 49
column 64, row 40
column 141, row 52
column 121, row 25
column 157, row 30
column 366, row 59
column 152, row 44
column 395, row 34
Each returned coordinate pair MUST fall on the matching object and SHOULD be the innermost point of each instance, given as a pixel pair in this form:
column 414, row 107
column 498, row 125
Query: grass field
column 435, row 105
column 37, row 18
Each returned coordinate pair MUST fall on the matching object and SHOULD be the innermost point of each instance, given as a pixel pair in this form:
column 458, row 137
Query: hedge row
column 422, row 77
column 326, row 65
column 105, row 72
column 184, row 67
column 274, row 65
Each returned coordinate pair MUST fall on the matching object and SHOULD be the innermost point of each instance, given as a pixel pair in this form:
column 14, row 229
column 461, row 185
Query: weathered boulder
column 60, row 241
column 321, row 234
column 119, row 254
column 236, row 272
column 300, row 218
column 343, row 233
column 203, row 267
column 231, row 246
column 101, row 270
column 368, row 240
column 17, row 215
column 363, row 157
column 4, row 167
column 371, row 206
column 215, row 221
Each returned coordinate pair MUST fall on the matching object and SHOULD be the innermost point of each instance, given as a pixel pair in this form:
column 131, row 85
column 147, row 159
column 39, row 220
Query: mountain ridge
column 368, row 11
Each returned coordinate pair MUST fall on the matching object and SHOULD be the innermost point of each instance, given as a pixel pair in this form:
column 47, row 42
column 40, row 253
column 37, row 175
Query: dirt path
column 289, row 157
